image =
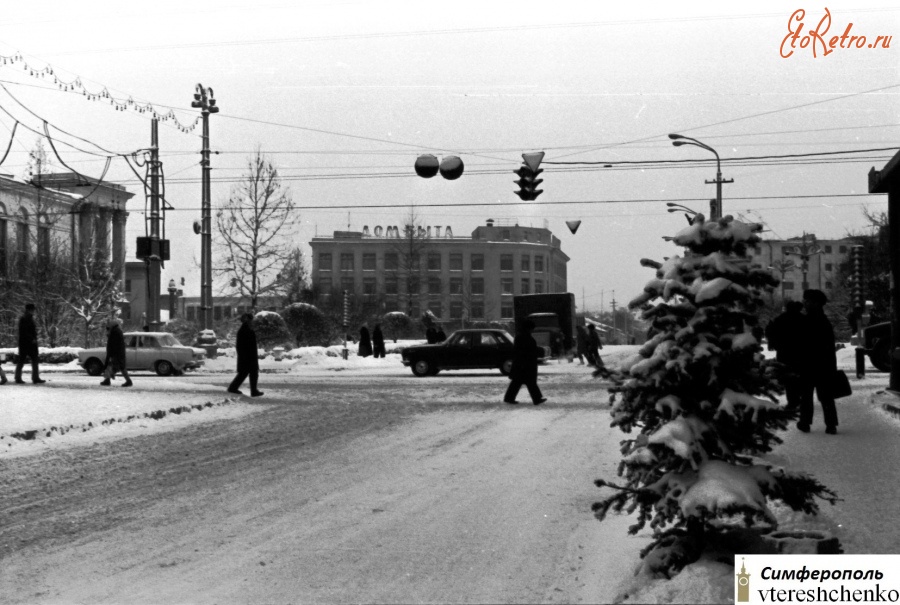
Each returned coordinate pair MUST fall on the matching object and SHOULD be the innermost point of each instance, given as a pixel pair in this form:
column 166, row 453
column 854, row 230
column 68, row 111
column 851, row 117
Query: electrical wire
column 12, row 137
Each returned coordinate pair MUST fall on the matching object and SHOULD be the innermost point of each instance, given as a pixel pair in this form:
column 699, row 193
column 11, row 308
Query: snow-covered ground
column 858, row 463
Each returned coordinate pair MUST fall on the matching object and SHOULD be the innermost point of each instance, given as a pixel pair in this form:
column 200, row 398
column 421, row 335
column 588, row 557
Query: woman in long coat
column 819, row 365
column 524, row 366
column 365, row 342
column 378, row 341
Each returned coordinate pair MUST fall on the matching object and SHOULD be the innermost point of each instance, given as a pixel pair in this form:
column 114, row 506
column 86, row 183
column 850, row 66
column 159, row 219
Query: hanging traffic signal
column 528, row 173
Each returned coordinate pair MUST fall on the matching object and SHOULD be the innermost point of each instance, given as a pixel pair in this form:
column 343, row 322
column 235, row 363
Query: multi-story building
column 421, row 269
column 785, row 258
column 61, row 214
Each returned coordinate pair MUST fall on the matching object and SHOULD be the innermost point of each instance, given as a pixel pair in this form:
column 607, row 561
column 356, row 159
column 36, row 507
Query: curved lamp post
column 715, row 210
column 806, row 249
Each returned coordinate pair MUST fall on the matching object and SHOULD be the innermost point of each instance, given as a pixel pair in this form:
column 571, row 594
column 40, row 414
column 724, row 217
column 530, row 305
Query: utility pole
column 154, row 260
column 615, row 323
column 205, row 101
column 887, row 180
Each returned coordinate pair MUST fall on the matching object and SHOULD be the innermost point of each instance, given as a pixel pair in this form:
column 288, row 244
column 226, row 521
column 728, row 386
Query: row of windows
column 826, row 249
column 219, row 312
column 789, row 285
column 433, row 262
column 434, row 285
column 22, row 252
column 455, row 310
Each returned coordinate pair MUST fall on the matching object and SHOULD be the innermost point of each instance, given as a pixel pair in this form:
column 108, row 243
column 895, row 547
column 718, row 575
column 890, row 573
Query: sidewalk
column 71, row 409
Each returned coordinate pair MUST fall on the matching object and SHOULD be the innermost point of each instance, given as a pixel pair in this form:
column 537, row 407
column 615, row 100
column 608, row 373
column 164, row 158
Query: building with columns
column 62, row 213
column 457, row 278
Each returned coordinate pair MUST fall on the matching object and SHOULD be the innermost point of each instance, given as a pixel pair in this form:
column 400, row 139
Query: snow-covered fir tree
column 703, row 400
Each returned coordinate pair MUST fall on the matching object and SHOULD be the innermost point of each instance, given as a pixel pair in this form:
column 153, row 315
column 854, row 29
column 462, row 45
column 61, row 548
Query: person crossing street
column 247, row 358
column 115, row 354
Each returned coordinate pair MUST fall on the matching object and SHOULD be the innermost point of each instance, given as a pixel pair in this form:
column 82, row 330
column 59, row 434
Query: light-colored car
column 159, row 352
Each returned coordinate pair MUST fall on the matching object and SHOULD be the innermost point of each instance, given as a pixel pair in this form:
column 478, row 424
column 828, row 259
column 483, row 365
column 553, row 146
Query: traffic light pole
column 153, row 261
column 203, row 99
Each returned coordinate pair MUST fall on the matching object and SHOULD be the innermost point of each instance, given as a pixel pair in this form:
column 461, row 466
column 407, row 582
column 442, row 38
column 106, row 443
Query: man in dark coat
column 365, row 342
column 581, row 349
column 247, row 357
column 593, row 346
column 378, row 341
column 430, row 335
column 785, row 336
column 115, row 354
column 524, row 366
column 28, row 346
column 820, row 363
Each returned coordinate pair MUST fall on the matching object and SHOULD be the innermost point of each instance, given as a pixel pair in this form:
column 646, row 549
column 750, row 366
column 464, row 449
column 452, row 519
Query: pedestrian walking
column 430, row 335
column 785, row 336
column 28, row 346
column 524, row 366
column 247, row 357
column 581, row 346
column 593, row 346
column 365, row 342
column 820, row 363
column 377, row 342
column 115, row 354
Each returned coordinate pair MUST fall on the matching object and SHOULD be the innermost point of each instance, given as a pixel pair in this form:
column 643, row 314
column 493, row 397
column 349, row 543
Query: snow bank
column 68, row 411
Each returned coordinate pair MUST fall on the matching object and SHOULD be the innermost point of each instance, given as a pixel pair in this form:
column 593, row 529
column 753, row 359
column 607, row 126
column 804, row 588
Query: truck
column 554, row 320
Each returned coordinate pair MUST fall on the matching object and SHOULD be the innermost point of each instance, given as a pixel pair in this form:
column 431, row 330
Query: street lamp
column 205, row 101
column 803, row 251
column 715, row 211
column 689, row 213
column 173, row 290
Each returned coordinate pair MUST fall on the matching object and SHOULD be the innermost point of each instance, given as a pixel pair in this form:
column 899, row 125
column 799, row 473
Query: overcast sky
column 343, row 96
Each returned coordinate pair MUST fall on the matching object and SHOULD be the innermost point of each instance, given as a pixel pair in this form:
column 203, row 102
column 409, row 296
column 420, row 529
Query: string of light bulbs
column 76, row 85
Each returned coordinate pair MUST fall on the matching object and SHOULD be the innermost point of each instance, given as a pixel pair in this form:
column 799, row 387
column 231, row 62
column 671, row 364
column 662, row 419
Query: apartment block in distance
column 458, row 278
column 784, row 258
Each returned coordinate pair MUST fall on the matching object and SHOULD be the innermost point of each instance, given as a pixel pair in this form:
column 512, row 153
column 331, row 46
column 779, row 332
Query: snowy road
column 364, row 492
column 369, row 485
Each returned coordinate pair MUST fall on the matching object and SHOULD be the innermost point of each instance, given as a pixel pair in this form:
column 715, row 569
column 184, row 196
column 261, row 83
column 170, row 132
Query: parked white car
column 159, row 352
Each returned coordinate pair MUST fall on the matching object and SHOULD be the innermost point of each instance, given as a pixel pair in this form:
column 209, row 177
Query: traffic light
column 857, row 295
column 528, row 183
column 528, row 173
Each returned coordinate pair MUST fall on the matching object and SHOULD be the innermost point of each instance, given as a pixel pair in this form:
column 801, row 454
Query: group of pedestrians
column 803, row 339
column 588, row 345
column 28, row 348
column 434, row 335
column 373, row 345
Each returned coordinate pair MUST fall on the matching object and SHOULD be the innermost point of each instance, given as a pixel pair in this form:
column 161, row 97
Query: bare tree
column 43, row 279
column 412, row 244
column 93, row 291
column 252, row 235
column 294, row 278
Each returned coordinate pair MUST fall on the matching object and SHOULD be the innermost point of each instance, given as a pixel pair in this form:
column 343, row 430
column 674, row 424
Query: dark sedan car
column 876, row 342
column 463, row 350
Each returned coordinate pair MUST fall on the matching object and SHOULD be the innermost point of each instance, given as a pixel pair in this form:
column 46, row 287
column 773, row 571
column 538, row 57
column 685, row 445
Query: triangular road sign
column 533, row 160
column 573, row 226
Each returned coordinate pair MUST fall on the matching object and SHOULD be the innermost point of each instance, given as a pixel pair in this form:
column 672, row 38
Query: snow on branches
column 704, row 401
